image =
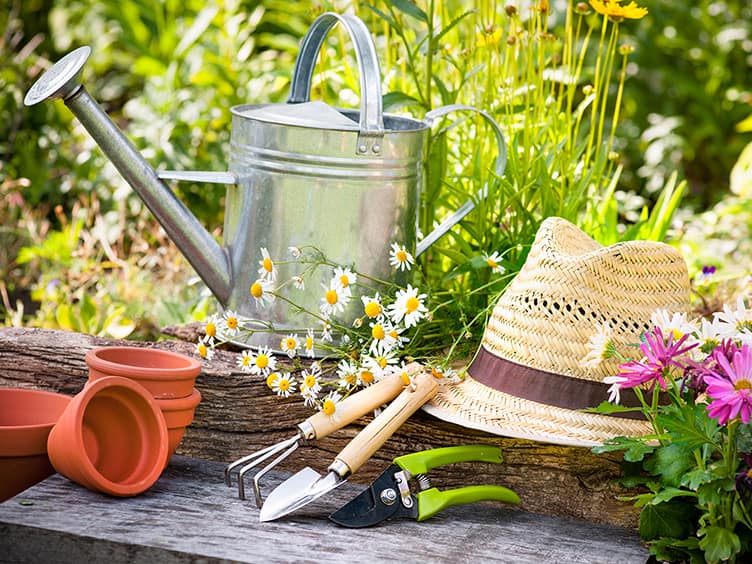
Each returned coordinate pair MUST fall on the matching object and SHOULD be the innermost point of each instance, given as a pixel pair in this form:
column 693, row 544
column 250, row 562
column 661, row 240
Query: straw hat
column 528, row 379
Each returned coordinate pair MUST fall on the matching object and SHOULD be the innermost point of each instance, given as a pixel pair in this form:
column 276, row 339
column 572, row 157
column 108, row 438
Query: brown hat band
column 545, row 387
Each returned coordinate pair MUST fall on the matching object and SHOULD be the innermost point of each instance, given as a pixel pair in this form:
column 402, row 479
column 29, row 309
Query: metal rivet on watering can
column 298, row 178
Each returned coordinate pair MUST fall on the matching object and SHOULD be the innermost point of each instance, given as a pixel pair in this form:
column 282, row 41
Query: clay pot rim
column 94, row 360
column 179, row 404
column 96, row 387
column 34, row 426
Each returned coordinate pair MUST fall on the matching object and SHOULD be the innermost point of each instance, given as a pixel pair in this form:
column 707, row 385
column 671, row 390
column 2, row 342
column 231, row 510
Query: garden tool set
column 317, row 426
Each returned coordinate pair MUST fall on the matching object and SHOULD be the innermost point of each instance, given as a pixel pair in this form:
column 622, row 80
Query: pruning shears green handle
column 390, row 495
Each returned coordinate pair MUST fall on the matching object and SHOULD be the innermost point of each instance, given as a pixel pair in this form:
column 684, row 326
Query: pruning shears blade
column 380, row 501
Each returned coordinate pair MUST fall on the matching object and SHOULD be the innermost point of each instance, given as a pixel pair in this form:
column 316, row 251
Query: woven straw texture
column 568, row 288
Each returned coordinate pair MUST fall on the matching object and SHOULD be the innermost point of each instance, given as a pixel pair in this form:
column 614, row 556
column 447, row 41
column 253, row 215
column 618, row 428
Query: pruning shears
column 391, row 495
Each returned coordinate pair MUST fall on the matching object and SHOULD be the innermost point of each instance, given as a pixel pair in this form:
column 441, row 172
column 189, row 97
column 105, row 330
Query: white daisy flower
column 296, row 252
column 380, row 364
column 408, row 306
column 707, row 337
column 494, row 262
column 615, row 389
column 400, row 258
column 230, row 323
column 372, row 306
column 347, row 374
column 284, row 385
column 335, row 298
column 384, row 337
column 326, row 332
column 345, row 277
column 263, row 362
column 245, row 362
column 308, row 345
column 261, row 290
column 446, row 375
column 267, row 269
column 735, row 323
column 310, row 381
column 298, row 282
column 289, row 345
column 205, row 347
column 329, row 405
column 672, row 324
column 211, row 327
column 600, row 347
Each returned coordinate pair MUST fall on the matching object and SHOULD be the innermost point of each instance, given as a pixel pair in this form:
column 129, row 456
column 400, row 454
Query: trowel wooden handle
column 355, row 406
column 370, row 439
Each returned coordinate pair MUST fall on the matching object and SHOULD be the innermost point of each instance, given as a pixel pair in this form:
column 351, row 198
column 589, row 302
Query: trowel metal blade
column 298, row 490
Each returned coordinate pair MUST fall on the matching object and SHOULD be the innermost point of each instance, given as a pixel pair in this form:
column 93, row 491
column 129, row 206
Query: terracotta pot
column 26, row 419
column 165, row 374
column 178, row 414
column 112, row 438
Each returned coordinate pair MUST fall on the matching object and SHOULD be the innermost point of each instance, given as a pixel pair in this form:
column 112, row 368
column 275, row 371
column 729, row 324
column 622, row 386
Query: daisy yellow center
column 309, row 343
column 412, row 304
column 405, row 378
column 436, row 373
column 202, row 350
column 328, row 407
column 290, row 343
column 257, row 290
column 393, row 334
column 492, row 263
column 283, row 384
column 350, row 379
column 366, row 376
column 268, row 264
column 377, row 332
column 271, row 379
column 372, row 309
column 262, row 361
column 309, row 381
column 332, row 297
column 246, row 360
column 382, row 361
column 676, row 334
column 232, row 323
column 742, row 385
column 401, row 256
column 344, row 280
column 210, row 329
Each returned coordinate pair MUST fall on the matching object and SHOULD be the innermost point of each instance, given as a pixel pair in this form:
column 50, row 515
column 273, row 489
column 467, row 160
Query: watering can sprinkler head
column 206, row 256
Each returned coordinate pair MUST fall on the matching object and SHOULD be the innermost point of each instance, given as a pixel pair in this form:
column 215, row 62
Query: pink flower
column 731, row 391
column 660, row 355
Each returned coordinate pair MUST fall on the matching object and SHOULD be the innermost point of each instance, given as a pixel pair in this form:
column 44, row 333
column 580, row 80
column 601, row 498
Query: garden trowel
column 308, row 485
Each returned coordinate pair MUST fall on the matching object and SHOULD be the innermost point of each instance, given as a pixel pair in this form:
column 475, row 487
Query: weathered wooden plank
column 238, row 415
column 189, row 515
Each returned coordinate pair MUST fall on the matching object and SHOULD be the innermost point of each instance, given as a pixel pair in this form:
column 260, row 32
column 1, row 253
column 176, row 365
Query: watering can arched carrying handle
column 467, row 207
column 371, row 112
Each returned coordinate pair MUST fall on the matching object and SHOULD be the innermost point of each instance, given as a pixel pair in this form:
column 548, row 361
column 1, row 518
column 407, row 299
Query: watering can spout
column 205, row 254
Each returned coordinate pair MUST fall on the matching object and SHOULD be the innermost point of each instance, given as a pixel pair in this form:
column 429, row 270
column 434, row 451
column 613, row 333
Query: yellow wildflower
column 614, row 10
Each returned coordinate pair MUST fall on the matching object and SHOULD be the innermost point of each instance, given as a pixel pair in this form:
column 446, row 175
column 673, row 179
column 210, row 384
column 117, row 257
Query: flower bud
column 510, row 10
column 626, row 49
column 582, row 8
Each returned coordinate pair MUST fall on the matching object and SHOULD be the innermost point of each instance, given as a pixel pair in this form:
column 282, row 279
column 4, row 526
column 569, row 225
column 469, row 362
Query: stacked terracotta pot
column 116, row 436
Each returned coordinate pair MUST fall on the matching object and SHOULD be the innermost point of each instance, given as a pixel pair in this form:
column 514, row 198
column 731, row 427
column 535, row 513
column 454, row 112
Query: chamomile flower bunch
column 363, row 329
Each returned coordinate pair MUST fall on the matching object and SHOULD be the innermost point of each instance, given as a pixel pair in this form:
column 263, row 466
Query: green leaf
column 712, row 492
column 395, row 100
column 719, row 543
column 695, row 478
column 668, row 519
column 671, row 463
column 668, row 494
column 410, row 9
column 608, row 408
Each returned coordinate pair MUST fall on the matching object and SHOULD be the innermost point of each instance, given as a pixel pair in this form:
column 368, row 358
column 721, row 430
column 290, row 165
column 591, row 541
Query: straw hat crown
column 570, row 286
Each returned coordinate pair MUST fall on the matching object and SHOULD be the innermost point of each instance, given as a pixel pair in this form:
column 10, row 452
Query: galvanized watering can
column 301, row 173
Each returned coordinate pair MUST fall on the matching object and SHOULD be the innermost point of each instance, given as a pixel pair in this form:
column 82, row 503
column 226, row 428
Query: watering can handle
column 371, row 112
column 467, row 207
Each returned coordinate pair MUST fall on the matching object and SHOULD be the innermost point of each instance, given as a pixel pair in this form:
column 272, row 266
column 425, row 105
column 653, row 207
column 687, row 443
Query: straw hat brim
column 477, row 406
